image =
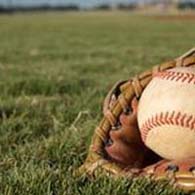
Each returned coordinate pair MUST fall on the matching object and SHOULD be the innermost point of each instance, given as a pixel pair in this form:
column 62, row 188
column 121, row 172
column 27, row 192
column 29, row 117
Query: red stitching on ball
column 176, row 76
column 167, row 118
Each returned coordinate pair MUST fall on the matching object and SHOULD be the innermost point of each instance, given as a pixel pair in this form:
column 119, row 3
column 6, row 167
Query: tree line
column 73, row 7
column 70, row 7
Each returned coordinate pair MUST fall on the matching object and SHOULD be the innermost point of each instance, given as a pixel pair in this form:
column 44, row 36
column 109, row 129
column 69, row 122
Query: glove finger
column 126, row 155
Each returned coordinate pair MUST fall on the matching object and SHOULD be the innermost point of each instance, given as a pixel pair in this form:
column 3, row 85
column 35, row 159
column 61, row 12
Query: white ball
column 166, row 113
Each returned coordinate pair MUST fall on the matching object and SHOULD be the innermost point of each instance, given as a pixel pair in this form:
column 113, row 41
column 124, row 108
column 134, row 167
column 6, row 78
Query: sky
column 83, row 3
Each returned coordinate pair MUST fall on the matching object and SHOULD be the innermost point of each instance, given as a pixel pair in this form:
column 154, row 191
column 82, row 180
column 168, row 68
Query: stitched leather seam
column 183, row 77
column 168, row 118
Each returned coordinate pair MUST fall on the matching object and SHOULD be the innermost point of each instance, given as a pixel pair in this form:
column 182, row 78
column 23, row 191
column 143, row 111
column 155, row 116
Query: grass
column 54, row 66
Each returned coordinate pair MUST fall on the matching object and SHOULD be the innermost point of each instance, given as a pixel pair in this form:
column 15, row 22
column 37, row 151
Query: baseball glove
column 117, row 148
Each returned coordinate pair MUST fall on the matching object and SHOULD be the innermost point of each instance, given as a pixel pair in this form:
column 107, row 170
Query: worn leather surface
column 125, row 145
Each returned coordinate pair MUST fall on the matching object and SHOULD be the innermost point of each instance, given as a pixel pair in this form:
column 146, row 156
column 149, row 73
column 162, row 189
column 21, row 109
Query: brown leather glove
column 117, row 147
column 125, row 145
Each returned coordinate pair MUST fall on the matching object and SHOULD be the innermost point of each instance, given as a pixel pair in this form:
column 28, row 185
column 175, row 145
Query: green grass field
column 54, row 66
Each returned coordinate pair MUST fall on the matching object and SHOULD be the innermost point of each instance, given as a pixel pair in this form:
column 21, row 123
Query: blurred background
column 160, row 5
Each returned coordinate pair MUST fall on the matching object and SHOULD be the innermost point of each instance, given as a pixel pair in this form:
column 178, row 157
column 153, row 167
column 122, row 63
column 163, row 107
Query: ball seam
column 183, row 77
column 167, row 118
